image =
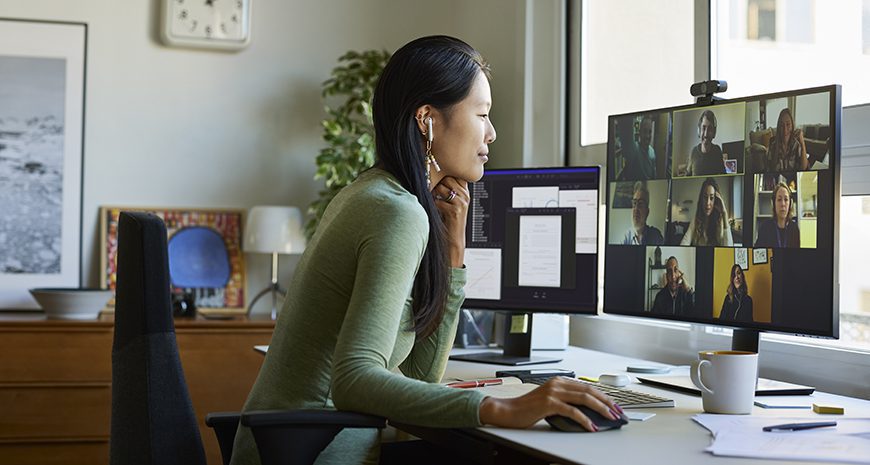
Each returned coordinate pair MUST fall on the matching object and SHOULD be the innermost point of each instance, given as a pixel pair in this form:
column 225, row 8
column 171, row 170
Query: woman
column 788, row 150
column 737, row 305
column 710, row 224
column 781, row 230
column 380, row 284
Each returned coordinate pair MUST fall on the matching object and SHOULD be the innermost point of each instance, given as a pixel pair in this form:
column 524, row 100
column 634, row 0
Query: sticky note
column 519, row 324
column 833, row 409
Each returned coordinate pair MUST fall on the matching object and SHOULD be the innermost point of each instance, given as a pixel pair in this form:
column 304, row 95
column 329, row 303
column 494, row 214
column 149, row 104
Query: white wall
column 192, row 128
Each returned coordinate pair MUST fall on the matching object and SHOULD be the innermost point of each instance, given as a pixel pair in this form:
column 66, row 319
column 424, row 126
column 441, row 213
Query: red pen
column 476, row 383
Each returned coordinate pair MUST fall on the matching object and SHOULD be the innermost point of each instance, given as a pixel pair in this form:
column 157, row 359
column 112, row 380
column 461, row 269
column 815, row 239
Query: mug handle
column 695, row 373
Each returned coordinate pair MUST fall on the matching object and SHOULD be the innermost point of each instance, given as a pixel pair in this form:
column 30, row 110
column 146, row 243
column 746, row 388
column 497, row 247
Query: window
column 760, row 19
column 782, row 45
column 854, row 286
column 634, row 55
column 810, row 43
column 802, row 43
column 762, row 46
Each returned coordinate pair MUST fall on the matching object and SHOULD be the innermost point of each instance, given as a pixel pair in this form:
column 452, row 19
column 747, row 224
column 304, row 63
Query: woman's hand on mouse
column 452, row 199
column 555, row 397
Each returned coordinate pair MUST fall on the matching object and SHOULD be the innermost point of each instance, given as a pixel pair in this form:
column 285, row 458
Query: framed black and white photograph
column 759, row 256
column 42, row 89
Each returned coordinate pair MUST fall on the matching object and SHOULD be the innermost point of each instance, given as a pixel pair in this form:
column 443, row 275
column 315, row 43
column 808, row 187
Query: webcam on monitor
column 704, row 91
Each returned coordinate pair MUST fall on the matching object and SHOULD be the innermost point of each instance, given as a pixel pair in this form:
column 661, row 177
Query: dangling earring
column 430, row 159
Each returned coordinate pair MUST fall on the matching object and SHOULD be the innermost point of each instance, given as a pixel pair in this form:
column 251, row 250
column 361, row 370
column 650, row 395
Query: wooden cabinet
column 56, row 377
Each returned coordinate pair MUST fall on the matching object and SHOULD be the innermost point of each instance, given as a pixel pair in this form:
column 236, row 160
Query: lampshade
column 273, row 229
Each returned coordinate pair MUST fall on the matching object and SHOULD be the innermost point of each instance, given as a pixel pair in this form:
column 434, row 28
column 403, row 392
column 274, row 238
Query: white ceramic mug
column 727, row 380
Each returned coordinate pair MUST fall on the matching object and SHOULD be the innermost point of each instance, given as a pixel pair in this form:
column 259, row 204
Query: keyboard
column 625, row 398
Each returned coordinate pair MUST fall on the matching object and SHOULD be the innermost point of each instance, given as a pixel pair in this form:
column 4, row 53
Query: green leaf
column 347, row 129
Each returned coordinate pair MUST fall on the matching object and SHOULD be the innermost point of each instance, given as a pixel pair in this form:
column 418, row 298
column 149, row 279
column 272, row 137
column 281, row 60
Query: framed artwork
column 741, row 258
column 42, row 90
column 205, row 254
column 759, row 256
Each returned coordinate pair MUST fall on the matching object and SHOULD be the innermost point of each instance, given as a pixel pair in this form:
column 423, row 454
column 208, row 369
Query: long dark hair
column 781, row 149
column 708, row 229
column 437, row 71
column 737, row 292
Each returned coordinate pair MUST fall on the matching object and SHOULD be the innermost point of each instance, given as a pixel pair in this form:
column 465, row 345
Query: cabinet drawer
column 62, row 410
column 55, row 453
column 45, row 355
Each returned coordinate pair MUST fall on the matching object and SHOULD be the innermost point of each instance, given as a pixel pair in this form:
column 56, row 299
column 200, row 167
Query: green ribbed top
column 346, row 327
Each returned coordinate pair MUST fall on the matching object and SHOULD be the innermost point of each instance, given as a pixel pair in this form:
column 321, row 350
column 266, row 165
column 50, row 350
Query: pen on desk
column 476, row 383
column 799, row 426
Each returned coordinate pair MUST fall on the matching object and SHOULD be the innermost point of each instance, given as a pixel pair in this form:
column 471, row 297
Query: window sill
column 831, row 369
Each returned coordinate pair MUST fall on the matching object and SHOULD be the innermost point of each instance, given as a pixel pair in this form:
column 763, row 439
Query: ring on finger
column 451, row 196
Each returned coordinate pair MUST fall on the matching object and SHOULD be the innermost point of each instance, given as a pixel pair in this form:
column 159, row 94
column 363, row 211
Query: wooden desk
column 55, row 383
column 670, row 437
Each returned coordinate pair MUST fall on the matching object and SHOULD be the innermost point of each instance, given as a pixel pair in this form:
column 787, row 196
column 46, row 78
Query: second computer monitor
column 531, row 240
column 531, row 246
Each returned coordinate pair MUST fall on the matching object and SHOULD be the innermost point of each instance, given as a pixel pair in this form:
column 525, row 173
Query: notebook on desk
column 765, row 387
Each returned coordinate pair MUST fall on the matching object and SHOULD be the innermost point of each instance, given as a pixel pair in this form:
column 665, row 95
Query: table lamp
column 273, row 230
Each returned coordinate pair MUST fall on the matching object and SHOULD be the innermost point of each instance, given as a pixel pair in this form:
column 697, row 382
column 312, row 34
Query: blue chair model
column 199, row 263
column 153, row 421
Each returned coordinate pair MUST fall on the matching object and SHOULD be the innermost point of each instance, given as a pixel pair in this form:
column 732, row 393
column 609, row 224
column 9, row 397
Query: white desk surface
column 671, row 437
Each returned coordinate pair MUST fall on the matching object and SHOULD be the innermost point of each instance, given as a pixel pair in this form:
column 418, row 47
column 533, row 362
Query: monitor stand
column 517, row 347
column 745, row 340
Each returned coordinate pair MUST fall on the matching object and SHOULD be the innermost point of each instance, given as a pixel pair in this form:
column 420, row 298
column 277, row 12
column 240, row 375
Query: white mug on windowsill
column 727, row 380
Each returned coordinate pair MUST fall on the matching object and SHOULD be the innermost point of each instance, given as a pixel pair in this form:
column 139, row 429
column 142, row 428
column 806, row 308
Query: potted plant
column 348, row 129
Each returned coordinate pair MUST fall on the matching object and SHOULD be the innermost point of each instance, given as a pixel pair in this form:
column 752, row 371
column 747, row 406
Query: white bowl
column 71, row 303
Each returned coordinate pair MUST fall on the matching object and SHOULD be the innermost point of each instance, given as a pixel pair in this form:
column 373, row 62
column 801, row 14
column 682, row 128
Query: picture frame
column 741, row 258
column 759, row 256
column 225, row 224
column 42, row 105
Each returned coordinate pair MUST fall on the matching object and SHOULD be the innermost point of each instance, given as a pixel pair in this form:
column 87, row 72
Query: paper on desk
column 800, row 445
column 717, row 423
column 741, row 436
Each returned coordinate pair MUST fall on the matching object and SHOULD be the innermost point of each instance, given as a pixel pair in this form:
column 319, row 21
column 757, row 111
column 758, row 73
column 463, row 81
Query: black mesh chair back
column 153, row 421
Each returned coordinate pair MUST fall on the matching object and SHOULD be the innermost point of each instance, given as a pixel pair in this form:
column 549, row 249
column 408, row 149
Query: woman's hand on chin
column 452, row 199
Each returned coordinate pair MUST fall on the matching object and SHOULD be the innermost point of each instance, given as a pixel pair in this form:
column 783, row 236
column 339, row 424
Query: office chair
column 153, row 421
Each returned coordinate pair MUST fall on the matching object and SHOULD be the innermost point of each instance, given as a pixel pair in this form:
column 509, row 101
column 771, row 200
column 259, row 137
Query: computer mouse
column 603, row 423
column 614, row 380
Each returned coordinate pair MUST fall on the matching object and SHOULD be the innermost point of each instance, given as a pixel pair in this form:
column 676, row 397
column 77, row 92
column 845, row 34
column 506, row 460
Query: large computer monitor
column 727, row 213
column 531, row 246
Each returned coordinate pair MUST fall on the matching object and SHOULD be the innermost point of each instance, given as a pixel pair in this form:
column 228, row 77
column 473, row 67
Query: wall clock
column 219, row 24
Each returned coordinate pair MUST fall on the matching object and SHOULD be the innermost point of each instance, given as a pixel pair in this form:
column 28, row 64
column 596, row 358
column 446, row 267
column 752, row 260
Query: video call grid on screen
column 531, row 240
column 724, row 186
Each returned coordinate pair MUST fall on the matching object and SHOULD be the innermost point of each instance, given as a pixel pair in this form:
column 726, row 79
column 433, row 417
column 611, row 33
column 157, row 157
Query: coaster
column 649, row 369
